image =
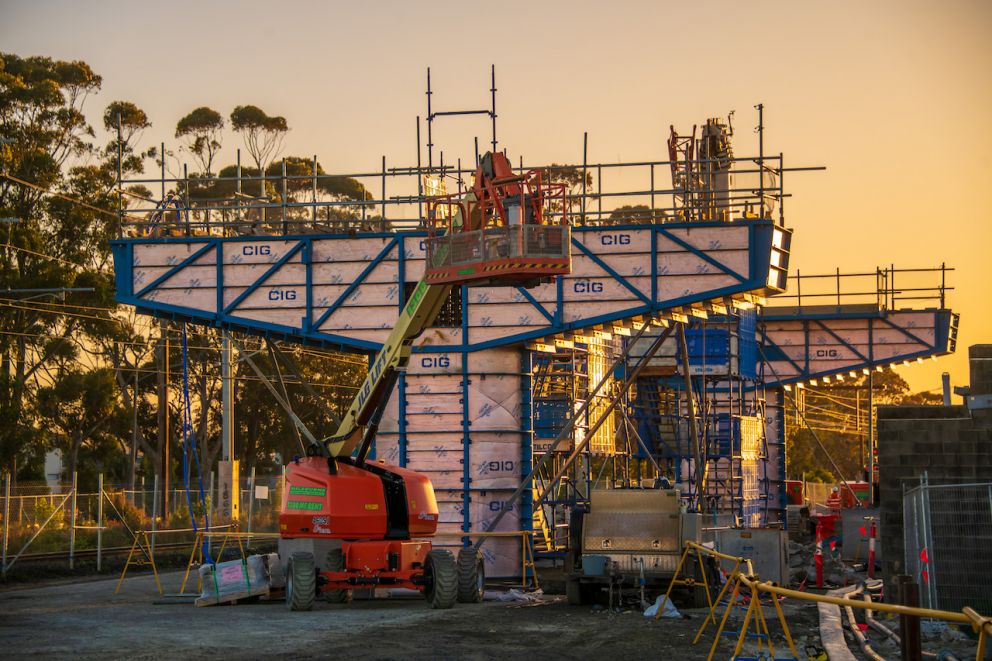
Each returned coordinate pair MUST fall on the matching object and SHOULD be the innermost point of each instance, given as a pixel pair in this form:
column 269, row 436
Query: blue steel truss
column 945, row 325
column 763, row 278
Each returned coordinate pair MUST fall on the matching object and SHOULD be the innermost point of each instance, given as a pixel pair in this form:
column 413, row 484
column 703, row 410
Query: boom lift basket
column 509, row 229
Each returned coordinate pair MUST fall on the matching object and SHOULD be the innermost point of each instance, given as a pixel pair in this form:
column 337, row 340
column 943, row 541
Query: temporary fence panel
column 948, row 534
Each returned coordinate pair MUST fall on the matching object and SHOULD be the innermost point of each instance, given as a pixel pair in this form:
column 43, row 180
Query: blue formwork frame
column 944, row 342
column 466, row 427
column 760, row 234
column 526, row 504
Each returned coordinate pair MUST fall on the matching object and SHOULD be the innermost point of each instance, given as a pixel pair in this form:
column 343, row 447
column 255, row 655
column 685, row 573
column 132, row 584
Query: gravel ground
column 85, row 620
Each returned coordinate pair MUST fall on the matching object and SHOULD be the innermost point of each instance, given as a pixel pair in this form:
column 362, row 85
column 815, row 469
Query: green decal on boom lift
column 303, row 505
column 307, row 491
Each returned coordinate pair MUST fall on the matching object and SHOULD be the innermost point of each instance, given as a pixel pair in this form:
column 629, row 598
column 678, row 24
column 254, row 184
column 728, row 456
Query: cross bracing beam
column 802, row 344
column 344, row 291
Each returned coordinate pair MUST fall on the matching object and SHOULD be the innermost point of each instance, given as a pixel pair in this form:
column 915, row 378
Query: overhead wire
column 54, row 258
column 65, row 197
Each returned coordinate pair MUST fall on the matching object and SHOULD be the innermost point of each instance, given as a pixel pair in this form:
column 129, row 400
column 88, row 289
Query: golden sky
column 894, row 98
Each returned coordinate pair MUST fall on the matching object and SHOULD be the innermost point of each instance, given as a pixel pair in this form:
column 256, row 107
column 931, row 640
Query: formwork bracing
column 297, row 264
column 746, row 368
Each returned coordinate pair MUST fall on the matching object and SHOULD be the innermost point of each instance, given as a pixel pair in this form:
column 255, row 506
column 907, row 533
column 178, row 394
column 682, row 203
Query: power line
column 67, row 198
column 56, row 259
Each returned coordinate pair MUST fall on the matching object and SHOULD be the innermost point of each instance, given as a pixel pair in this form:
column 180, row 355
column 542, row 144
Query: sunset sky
column 894, row 98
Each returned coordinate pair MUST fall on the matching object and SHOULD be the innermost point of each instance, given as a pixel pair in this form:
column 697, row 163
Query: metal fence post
column 99, row 523
column 251, row 501
column 154, row 514
column 909, row 625
column 72, row 518
column 6, row 519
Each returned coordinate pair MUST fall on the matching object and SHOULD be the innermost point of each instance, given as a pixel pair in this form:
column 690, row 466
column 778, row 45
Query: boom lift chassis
column 346, row 522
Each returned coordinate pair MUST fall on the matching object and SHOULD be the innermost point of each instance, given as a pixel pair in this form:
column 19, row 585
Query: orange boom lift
column 346, row 522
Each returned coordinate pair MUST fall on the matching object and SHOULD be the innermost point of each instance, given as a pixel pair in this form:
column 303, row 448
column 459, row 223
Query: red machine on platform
column 509, row 229
column 347, row 522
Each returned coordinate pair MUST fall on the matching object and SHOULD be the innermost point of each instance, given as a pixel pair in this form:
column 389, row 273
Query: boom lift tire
column 335, row 563
column 301, row 582
column 442, row 579
column 471, row 576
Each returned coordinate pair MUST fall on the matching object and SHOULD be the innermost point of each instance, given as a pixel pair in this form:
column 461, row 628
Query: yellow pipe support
column 675, row 578
column 981, row 624
column 716, row 554
column 715, row 604
column 927, row 613
column 723, row 621
column 747, row 621
column 763, row 623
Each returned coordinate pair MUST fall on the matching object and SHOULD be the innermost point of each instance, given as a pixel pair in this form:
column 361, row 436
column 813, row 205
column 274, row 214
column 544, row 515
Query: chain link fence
column 948, row 536
column 39, row 519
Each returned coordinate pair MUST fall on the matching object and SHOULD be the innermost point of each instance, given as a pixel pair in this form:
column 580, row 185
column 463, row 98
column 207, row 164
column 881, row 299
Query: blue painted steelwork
column 265, row 278
column 466, row 429
column 175, row 269
column 879, row 329
column 759, row 235
column 944, row 342
column 526, row 511
column 354, row 285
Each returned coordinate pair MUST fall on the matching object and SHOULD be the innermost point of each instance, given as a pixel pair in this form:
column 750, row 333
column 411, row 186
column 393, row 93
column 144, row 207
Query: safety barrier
column 202, row 537
column 741, row 581
column 142, row 552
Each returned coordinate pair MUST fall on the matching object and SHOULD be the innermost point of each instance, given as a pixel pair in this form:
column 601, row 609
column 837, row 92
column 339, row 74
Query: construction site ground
column 87, row 620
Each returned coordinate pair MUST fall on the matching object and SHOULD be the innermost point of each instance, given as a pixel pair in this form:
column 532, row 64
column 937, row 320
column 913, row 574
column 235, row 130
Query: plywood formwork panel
column 796, row 347
column 458, row 419
column 346, row 291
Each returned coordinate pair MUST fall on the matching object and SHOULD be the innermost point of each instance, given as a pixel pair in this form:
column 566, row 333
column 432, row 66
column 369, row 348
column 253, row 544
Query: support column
column 163, row 413
column 227, row 398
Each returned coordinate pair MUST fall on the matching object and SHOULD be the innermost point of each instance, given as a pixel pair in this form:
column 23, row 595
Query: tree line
column 78, row 373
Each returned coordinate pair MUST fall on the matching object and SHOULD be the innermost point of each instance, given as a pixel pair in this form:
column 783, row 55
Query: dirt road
column 86, row 620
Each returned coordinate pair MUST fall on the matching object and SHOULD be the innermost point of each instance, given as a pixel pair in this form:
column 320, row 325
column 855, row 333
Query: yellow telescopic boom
column 362, row 419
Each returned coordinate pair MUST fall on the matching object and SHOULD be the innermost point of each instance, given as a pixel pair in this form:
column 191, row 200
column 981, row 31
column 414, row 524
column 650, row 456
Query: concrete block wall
column 953, row 444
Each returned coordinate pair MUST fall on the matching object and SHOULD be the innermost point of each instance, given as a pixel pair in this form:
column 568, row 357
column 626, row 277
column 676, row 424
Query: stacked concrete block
column 951, row 444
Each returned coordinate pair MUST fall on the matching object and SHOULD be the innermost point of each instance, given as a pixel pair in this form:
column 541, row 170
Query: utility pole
column 227, row 398
column 871, row 437
column 133, row 468
column 163, row 412
column 228, row 505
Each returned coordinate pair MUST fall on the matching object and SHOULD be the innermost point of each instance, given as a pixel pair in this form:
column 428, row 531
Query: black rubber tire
column 442, row 579
column 335, row 563
column 301, row 582
column 471, row 576
column 574, row 592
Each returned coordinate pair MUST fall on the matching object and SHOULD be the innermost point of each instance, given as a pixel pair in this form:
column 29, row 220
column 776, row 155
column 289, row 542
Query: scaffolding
column 626, row 444
column 728, row 404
